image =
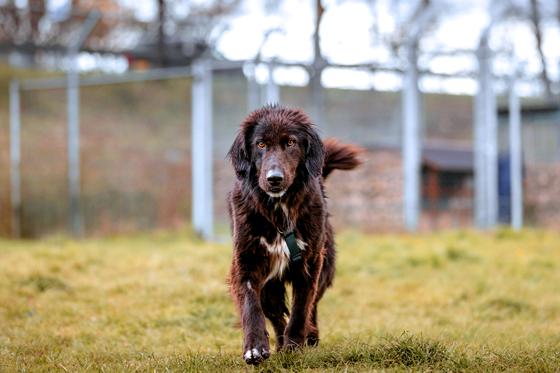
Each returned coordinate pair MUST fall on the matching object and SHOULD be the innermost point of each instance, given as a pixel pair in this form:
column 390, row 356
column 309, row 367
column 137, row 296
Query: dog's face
column 278, row 152
column 272, row 144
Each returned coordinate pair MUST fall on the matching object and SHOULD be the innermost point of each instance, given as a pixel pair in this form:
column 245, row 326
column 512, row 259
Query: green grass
column 457, row 301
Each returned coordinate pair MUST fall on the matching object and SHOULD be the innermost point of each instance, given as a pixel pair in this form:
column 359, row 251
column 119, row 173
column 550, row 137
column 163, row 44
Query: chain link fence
column 136, row 158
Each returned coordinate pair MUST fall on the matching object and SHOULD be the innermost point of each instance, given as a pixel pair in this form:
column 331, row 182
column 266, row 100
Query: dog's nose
column 274, row 176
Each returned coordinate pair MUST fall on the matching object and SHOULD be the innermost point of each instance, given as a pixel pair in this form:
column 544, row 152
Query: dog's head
column 273, row 144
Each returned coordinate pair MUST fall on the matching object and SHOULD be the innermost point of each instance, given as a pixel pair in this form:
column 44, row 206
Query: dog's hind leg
column 325, row 280
column 273, row 301
column 313, row 333
column 304, row 289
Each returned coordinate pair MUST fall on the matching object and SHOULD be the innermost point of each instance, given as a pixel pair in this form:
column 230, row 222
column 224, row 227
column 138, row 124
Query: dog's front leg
column 247, row 290
column 304, row 292
column 255, row 338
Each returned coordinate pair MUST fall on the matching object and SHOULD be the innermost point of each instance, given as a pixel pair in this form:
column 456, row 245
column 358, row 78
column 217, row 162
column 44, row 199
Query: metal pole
column 73, row 102
column 272, row 91
column 491, row 145
column 15, row 159
column 479, row 158
column 127, row 77
column 73, row 112
column 411, row 140
column 485, row 143
column 516, row 163
column 202, row 191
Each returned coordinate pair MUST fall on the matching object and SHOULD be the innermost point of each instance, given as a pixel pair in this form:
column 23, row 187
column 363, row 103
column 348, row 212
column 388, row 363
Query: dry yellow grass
column 452, row 301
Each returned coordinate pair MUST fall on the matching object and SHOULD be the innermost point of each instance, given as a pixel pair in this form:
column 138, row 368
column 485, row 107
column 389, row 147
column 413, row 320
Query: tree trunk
column 317, row 69
column 161, row 33
column 535, row 18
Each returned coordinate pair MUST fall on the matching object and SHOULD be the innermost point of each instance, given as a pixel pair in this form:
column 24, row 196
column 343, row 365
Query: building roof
column 531, row 105
column 445, row 159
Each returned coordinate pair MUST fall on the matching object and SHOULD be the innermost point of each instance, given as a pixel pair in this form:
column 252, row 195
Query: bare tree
column 169, row 39
column 181, row 35
column 319, row 64
column 535, row 19
column 161, row 32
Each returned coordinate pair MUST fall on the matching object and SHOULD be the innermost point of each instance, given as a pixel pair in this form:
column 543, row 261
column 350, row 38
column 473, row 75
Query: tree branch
column 535, row 19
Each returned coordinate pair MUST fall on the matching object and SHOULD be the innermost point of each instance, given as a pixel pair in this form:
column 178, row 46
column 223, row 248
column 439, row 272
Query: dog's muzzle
column 275, row 180
column 274, row 177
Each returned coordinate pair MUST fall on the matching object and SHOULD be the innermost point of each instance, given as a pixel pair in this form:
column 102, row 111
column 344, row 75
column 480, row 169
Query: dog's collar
column 295, row 251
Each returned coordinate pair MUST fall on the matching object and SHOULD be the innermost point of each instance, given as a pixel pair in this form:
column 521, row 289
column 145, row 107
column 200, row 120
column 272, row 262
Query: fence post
column 485, row 138
column 73, row 108
column 516, row 157
column 480, row 217
column 15, row 159
column 411, row 139
column 202, row 191
column 73, row 112
column 491, row 144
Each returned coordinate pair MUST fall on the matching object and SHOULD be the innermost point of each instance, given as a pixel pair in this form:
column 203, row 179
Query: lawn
column 449, row 301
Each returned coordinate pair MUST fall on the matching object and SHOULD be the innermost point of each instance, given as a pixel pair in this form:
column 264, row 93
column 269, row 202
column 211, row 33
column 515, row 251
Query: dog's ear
column 239, row 156
column 315, row 155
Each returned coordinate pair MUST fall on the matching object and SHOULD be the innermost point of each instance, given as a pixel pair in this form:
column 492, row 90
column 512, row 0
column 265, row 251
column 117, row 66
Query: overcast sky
column 347, row 38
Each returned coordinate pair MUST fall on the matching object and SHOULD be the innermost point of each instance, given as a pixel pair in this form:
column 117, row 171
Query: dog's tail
column 340, row 156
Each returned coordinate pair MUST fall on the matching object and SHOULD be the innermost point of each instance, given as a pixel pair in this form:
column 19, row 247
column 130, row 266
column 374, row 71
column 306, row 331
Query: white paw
column 254, row 356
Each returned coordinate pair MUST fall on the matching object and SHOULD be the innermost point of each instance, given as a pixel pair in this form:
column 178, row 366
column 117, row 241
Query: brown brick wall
column 368, row 198
column 542, row 195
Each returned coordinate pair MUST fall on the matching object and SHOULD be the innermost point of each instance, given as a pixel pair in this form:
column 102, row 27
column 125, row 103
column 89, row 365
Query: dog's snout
column 274, row 176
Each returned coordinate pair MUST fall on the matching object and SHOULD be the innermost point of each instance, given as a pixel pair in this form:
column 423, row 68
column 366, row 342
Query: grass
column 456, row 301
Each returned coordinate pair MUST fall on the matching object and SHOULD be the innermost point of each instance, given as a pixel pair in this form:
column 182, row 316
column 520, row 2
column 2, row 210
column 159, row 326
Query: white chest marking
column 280, row 258
column 285, row 210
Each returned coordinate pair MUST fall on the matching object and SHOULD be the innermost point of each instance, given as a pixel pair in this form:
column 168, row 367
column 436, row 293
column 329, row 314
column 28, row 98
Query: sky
column 347, row 38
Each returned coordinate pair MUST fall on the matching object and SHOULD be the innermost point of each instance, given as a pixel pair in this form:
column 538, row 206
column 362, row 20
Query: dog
column 280, row 225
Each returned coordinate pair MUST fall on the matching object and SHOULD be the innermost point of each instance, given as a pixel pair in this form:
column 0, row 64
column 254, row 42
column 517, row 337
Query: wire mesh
column 135, row 149
column 230, row 107
column 44, row 187
column 136, row 158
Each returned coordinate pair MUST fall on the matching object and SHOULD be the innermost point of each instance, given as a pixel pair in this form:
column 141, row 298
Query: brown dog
column 281, row 231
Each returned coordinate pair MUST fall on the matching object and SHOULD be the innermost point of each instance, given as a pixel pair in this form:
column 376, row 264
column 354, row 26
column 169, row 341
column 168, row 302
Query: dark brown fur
column 261, row 207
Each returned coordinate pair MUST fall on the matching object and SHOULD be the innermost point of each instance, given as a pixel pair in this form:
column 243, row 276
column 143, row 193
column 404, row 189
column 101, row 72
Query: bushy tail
column 340, row 156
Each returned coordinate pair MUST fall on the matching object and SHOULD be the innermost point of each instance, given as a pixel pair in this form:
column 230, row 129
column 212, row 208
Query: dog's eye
column 261, row 145
column 291, row 142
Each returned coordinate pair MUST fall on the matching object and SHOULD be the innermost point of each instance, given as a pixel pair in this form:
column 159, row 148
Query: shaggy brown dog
column 281, row 231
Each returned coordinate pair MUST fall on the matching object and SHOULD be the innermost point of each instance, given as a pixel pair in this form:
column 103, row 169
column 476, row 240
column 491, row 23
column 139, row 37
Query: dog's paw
column 312, row 336
column 256, row 347
column 255, row 356
column 293, row 343
column 313, row 340
column 279, row 343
